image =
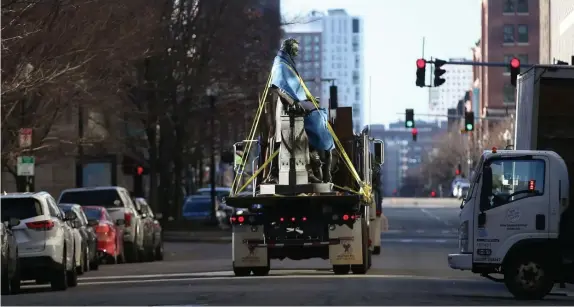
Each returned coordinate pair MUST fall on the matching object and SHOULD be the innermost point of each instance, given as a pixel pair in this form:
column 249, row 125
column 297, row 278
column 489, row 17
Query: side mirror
column 120, row 222
column 93, row 222
column 379, row 151
column 486, row 190
column 13, row 222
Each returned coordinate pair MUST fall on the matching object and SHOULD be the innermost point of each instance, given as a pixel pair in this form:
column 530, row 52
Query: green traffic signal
column 468, row 127
column 409, row 124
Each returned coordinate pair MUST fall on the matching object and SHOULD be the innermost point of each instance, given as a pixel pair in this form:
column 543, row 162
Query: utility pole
column 211, row 97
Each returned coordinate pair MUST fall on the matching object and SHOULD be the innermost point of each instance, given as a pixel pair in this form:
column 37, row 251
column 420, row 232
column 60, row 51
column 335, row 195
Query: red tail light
column 292, row 219
column 304, row 219
column 241, row 219
column 40, row 225
column 345, row 217
column 282, row 219
column 128, row 219
column 102, row 228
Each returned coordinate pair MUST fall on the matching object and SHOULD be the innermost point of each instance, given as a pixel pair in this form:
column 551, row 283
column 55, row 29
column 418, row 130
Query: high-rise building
column 458, row 80
column 510, row 28
column 331, row 52
column 557, row 31
column 343, row 60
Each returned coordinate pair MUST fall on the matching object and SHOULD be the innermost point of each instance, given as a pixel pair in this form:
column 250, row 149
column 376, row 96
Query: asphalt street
column 412, row 270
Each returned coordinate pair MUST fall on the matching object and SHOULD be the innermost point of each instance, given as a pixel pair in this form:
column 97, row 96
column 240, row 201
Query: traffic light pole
column 487, row 64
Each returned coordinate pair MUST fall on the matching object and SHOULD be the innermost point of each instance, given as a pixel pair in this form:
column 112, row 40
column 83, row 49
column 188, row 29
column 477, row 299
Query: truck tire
column 262, row 271
column 377, row 250
column 240, row 271
column 363, row 268
column 341, row 269
column 528, row 277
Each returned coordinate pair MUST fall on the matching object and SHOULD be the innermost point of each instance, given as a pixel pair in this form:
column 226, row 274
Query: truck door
column 518, row 207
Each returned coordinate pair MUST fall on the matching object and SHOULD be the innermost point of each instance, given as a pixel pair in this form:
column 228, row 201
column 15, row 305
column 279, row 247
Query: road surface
column 412, row 270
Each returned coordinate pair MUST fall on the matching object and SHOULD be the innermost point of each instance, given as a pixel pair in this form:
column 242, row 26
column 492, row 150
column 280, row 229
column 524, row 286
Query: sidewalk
column 197, row 236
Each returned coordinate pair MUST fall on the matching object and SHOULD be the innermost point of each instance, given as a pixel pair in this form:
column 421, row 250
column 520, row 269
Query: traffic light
column 415, row 133
column 410, row 118
column 333, row 99
column 421, row 72
column 458, row 170
column 469, row 121
column 514, row 70
column 438, row 72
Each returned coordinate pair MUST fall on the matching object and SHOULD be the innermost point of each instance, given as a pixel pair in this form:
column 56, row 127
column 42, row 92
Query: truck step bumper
column 460, row 261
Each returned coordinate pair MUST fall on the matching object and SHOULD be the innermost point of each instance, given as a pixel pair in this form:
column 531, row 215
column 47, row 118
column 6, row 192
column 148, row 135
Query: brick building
column 510, row 28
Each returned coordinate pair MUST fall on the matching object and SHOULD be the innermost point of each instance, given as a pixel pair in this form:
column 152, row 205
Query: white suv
column 45, row 243
column 120, row 206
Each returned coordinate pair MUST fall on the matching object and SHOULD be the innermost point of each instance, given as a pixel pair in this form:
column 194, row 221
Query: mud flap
column 375, row 233
column 350, row 250
column 243, row 255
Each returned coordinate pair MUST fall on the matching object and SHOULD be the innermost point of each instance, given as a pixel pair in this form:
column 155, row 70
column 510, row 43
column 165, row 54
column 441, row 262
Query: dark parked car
column 156, row 231
column 80, row 222
column 10, row 268
column 198, row 208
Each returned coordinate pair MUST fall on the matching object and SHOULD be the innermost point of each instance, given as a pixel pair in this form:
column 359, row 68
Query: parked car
column 109, row 234
column 220, row 192
column 157, row 235
column 89, row 259
column 148, row 228
column 198, row 208
column 10, row 268
column 78, row 241
column 45, row 241
column 120, row 206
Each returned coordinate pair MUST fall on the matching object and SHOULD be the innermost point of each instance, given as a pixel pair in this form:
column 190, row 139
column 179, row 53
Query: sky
column 394, row 30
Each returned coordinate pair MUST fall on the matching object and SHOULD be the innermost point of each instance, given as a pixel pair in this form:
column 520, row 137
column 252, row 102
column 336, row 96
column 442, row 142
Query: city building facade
column 556, row 31
column 510, row 28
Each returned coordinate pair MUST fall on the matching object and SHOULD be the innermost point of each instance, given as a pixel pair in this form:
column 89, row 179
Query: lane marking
column 231, row 277
column 436, row 217
column 191, row 274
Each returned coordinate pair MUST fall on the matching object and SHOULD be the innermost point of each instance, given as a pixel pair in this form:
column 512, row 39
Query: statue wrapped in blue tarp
column 289, row 85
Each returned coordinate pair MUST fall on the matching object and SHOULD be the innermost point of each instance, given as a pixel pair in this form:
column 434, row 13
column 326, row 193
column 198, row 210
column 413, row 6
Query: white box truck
column 516, row 220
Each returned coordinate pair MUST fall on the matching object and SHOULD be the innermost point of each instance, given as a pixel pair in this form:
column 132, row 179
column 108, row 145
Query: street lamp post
column 211, row 93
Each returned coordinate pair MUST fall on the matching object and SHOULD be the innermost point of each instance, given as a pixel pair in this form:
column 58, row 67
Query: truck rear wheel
column 241, row 271
column 341, row 269
column 363, row 268
column 528, row 277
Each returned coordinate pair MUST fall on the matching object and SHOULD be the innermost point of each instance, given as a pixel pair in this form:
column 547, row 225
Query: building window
column 522, row 33
column 522, row 6
column 307, row 39
column 508, row 6
column 317, row 39
column 508, row 94
column 355, row 25
column 508, row 33
column 357, row 93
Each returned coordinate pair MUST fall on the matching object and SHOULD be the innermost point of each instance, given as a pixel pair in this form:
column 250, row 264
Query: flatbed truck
column 296, row 219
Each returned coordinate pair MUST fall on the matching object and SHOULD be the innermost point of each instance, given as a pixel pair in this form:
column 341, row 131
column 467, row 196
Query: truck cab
column 513, row 222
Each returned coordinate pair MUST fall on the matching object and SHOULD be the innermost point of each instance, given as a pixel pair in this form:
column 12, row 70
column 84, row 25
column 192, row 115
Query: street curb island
column 197, row 236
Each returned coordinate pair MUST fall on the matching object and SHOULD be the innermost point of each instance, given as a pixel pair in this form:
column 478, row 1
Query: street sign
column 25, row 137
column 25, row 166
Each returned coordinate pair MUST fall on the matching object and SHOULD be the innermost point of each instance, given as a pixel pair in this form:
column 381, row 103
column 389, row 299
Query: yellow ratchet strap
column 259, row 170
column 365, row 189
column 251, row 135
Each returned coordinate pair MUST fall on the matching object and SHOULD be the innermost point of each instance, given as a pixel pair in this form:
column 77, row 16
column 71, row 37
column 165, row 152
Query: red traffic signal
column 414, row 131
column 421, row 63
column 515, row 63
column 433, row 194
column 457, row 172
column 139, row 170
